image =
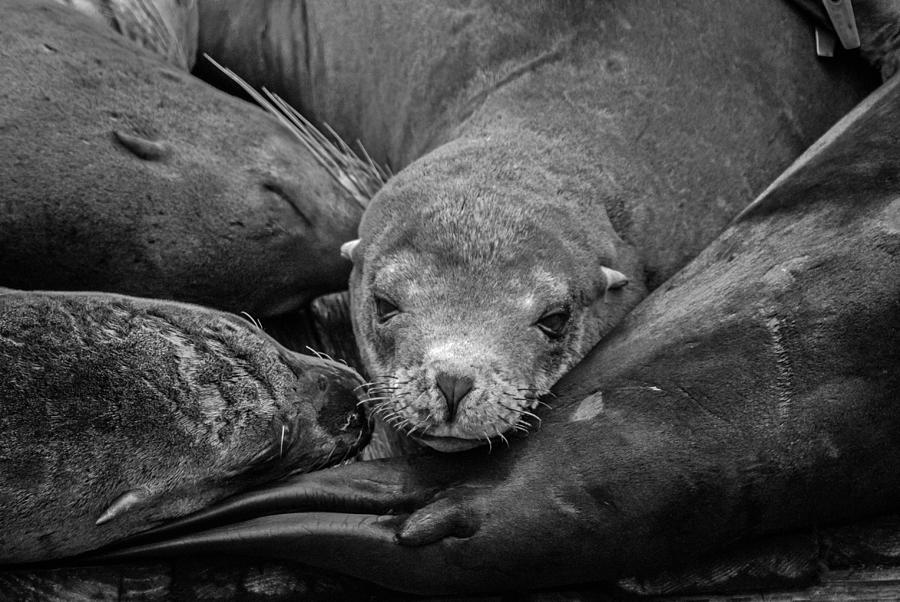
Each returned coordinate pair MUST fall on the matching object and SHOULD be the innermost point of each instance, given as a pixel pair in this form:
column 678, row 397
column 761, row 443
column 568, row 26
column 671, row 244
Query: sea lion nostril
column 453, row 388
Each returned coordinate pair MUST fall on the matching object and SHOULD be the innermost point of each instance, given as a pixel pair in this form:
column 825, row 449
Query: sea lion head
column 472, row 295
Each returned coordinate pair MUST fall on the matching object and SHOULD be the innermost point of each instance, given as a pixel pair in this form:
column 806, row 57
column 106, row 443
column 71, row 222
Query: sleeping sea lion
column 123, row 174
column 558, row 161
column 166, row 27
column 753, row 393
column 121, row 412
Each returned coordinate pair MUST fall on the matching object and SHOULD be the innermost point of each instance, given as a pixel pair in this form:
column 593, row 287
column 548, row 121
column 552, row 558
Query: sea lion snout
column 336, row 394
column 454, row 388
column 340, row 406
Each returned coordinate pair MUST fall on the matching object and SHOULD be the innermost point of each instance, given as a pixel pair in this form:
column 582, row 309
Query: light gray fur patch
column 589, row 408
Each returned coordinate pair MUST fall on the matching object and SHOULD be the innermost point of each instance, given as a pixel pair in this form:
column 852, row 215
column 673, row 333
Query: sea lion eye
column 385, row 310
column 553, row 324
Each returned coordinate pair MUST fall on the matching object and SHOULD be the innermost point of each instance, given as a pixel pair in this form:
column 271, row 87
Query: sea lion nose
column 454, row 388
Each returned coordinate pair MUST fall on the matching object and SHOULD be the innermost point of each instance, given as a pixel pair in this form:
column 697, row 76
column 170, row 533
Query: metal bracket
column 840, row 12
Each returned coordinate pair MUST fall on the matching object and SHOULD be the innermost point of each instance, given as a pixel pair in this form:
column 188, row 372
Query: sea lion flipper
column 445, row 517
column 374, row 487
column 124, row 503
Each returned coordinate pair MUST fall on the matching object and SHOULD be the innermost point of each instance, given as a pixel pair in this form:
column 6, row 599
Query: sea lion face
column 466, row 352
column 467, row 310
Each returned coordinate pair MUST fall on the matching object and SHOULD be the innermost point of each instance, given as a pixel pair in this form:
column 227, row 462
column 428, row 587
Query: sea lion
column 166, row 27
column 753, row 393
column 121, row 412
column 123, row 174
column 553, row 171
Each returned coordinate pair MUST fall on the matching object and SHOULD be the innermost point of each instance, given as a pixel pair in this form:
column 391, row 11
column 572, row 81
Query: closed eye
column 281, row 192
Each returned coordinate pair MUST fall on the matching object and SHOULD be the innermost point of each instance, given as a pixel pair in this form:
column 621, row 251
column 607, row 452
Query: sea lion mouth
column 448, row 444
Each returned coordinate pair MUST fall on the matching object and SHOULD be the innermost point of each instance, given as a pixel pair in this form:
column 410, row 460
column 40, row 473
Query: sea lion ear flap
column 348, row 247
column 614, row 279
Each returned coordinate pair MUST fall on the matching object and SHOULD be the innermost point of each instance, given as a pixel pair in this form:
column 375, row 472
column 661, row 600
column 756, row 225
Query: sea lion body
column 569, row 177
column 121, row 412
column 123, row 174
column 753, row 393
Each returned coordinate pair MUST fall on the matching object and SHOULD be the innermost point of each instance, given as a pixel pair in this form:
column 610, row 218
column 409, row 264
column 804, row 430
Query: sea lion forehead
column 408, row 275
column 544, row 287
column 401, row 269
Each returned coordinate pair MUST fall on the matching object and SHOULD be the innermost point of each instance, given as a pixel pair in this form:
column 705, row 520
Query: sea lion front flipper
column 391, row 486
column 445, row 517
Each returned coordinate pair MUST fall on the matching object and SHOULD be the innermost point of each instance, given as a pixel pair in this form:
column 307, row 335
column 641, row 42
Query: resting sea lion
column 753, row 393
column 554, row 170
column 120, row 173
column 121, row 412
column 166, row 27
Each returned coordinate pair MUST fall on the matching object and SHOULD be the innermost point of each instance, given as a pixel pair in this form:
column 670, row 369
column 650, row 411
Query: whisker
column 535, row 416
column 252, row 320
column 314, row 352
column 510, row 408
